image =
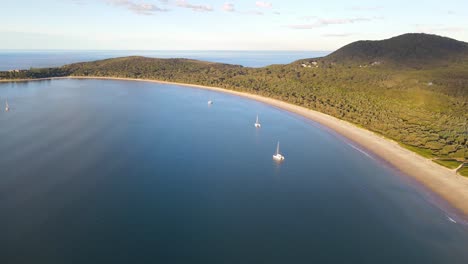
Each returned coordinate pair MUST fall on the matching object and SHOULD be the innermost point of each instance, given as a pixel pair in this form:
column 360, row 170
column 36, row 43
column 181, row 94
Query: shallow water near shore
column 116, row 171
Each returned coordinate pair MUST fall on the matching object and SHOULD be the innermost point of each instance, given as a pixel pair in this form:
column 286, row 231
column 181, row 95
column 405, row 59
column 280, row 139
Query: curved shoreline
column 440, row 180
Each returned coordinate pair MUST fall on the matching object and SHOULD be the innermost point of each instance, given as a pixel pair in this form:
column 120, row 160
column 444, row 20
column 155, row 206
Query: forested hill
column 413, row 50
column 423, row 108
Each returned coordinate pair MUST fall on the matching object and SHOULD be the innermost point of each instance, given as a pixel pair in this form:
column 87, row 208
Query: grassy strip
column 463, row 171
column 423, row 152
column 449, row 163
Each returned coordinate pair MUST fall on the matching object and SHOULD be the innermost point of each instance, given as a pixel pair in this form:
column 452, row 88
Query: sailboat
column 278, row 156
column 7, row 107
column 210, row 102
column 257, row 124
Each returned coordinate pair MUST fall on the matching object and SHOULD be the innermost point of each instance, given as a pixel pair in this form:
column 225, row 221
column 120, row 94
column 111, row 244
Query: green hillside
column 412, row 88
column 412, row 50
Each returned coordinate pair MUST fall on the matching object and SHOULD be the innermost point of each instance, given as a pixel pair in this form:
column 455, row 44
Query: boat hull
column 278, row 157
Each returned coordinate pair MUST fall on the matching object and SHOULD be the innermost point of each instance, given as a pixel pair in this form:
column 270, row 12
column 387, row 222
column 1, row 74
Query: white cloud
column 340, row 35
column 263, row 4
column 438, row 29
column 326, row 22
column 79, row 2
column 228, row 7
column 139, row 8
column 308, row 18
column 342, row 21
column 253, row 12
column 366, row 8
column 198, row 8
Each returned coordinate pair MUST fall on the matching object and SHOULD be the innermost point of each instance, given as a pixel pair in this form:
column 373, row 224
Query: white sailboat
column 257, row 124
column 278, row 156
column 7, row 107
column 210, row 102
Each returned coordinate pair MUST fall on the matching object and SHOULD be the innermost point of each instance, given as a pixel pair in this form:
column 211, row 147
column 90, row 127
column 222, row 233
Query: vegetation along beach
column 403, row 98
column 206, row 131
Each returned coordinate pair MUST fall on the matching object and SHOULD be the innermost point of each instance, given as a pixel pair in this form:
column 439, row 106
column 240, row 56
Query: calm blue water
column 96, row 171
column 25, row 59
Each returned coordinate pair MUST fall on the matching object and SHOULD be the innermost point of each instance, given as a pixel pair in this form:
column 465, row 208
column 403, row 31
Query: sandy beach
column 442, row 181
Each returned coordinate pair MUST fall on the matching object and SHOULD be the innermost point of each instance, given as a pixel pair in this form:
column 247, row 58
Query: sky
column 221, row 25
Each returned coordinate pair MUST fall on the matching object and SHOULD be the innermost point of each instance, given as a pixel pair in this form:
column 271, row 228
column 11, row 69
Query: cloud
column 228, row 7
column 138, row 8
column 325, row 22
column 308, row 18
column 338, row 35
column 450, row 29
column 198, row 8
column 263, row 4
column 253, row 12
column 343, row 21
column 438, row 29
column 366, row 8
column 79, row 2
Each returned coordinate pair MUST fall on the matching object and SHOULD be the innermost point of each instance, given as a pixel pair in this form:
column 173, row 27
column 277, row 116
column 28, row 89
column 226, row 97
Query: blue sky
column 221, row 25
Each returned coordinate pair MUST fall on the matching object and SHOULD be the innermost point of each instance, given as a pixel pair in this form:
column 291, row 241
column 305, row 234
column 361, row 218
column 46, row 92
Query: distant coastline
column 26, row 59
column 440, row 180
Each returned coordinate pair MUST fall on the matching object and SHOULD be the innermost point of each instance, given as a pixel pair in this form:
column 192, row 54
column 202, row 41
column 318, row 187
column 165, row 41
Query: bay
column 97, row 171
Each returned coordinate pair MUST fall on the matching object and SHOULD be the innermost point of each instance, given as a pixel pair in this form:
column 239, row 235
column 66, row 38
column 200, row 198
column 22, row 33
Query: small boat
column 278, row 156
column 210, row 102
column 257, row 124
column 451, row 219
column 7, row 107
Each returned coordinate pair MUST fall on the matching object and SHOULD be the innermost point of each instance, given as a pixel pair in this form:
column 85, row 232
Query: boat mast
column 277, row 149
column 257, row 119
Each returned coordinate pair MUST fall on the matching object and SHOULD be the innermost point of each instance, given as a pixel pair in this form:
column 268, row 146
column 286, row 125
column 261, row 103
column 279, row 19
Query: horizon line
column 235, row 50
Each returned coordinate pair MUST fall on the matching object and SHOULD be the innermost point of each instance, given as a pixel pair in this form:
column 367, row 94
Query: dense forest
column 412, row 88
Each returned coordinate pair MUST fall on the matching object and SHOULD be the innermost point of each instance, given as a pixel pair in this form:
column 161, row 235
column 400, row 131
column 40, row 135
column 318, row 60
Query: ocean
column 20, row 59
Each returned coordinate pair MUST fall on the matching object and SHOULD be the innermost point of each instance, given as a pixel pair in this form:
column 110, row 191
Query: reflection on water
column 119, row 172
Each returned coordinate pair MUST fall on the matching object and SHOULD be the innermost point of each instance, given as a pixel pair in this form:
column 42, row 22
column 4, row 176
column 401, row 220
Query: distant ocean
column 25, row 59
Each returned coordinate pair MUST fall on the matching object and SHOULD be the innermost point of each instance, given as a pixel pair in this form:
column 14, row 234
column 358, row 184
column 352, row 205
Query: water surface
column 25, row 59
column 96, row 171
